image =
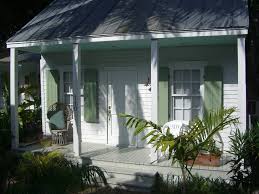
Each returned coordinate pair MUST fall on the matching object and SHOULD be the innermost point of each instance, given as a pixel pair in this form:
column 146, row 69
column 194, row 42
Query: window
column 68, row 89
column 186, row 94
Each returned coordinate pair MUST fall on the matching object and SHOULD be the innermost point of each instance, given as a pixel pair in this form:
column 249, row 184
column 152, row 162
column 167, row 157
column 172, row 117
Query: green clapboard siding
column 91, row 95
column 163, row 105
column 52, row 86
column 213, row 88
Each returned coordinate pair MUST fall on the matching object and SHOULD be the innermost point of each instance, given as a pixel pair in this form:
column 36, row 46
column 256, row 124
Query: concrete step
column 130, row 177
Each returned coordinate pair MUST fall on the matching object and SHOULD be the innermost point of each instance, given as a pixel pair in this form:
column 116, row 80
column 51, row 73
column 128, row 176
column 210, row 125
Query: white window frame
column 67, row 68
column 187, row 65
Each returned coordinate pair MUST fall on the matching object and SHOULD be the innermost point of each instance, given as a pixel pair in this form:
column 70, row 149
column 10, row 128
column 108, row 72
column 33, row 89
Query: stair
column 126, row 176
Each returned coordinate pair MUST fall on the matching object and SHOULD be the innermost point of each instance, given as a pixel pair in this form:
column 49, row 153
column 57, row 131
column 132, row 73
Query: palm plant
column 190, row 142
column 244, row 147
column 52, row 173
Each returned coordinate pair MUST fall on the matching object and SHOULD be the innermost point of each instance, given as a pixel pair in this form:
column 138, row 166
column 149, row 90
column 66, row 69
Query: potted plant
column 189, row 144
column 209, row 155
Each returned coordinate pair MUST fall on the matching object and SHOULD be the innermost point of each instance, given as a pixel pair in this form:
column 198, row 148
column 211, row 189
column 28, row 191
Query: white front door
column 122, row 98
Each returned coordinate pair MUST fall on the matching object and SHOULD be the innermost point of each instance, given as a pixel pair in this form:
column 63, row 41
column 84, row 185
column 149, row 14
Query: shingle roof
column 82, row 18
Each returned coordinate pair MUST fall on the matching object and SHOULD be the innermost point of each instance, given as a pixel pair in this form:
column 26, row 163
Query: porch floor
column 127, row 155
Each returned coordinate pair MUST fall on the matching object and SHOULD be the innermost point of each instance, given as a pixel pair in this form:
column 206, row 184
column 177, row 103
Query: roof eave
column 132, row 36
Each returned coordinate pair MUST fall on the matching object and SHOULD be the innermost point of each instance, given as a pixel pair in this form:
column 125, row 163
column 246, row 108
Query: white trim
column 241, row 55
column 121, row 37
column 120, row 68
column 14, row 97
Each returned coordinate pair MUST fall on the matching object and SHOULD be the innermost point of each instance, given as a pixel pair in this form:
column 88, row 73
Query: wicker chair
column 60, row 116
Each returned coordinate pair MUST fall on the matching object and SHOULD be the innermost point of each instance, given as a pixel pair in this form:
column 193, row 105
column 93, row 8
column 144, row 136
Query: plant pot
column 206, row 160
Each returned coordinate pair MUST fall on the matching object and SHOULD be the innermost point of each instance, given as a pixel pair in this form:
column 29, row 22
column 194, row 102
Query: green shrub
column 8, row 163
column 244, row 147
column 195, row 184
column 52, row 173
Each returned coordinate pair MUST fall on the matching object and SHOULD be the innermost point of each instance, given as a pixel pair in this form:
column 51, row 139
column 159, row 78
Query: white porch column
column 43, row 64
column 241, row 54
column 154, row 79
column 14, row 97
column 77, row 100
column 154, row 87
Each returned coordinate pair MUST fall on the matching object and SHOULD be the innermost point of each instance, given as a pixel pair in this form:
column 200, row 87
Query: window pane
column 178, row 114
column 187, row 88
column 178, row 75
column 195, row 113
column 178, row 102
column 195, row 75
column 187, row 102
column 187, row 115
column 195, row 88
column 186, row 76
column 178, row 89
column 196, row 102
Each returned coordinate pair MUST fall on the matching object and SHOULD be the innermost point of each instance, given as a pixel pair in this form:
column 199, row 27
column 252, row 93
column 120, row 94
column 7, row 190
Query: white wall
column 225, row 56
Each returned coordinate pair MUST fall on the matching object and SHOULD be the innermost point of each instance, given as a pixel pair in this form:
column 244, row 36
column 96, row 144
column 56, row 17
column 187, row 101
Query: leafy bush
column 195, row 184
column 30, row 114
column 52, row 173
column 187, row 145
column 8, row 162
column 244, row 147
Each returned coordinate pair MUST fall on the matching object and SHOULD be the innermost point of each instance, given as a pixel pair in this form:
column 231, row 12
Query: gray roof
column 82, row 18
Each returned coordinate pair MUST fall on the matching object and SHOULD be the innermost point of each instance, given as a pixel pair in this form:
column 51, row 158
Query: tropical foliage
column 190, row 142
column 52, row 173
column 30, row 113
column 245, row 161
column 195, row 184
column 29, row 110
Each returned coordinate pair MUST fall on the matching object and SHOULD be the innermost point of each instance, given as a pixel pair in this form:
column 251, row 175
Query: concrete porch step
column 130, row 176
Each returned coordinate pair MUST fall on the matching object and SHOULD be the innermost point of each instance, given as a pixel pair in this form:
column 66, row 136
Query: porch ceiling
column 136, row 44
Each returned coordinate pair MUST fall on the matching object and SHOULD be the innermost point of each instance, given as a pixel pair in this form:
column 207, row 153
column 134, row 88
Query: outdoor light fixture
column 148, row 83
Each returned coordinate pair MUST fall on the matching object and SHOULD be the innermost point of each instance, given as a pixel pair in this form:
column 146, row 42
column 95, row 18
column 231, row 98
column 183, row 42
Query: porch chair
column 176, row 128
column 60, row 116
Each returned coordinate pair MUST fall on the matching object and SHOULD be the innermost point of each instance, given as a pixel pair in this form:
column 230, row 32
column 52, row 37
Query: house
column 160, row 60
column 28, row 67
